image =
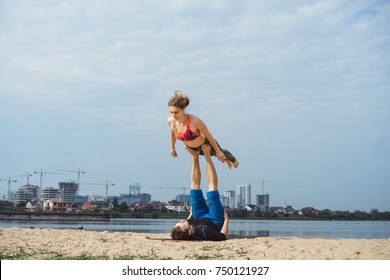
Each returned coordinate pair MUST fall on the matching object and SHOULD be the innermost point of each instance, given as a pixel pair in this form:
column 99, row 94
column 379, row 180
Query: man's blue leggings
column 200, row 210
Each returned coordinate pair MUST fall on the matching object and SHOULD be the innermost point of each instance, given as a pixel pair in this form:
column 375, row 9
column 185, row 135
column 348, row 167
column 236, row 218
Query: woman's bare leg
column 195, row 168
column 212, row 177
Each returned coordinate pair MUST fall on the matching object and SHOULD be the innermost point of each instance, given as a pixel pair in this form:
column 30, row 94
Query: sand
column 26, row 243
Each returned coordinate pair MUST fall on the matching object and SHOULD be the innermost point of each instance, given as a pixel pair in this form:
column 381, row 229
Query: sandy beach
column 26, row 243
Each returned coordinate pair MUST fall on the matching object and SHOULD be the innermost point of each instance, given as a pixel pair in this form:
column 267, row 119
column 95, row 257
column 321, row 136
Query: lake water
column 275, row 228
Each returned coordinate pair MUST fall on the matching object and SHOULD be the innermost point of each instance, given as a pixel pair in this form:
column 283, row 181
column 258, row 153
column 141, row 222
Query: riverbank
column 35, row 244
column 53, row 216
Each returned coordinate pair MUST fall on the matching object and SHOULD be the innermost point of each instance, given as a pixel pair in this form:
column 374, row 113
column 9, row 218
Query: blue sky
column 297, row 90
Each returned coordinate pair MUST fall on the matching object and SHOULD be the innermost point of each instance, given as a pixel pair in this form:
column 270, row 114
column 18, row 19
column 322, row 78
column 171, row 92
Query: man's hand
column 225, row 214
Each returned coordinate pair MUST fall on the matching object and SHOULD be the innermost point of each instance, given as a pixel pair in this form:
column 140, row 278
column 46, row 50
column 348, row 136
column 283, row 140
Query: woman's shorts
column 227, row 154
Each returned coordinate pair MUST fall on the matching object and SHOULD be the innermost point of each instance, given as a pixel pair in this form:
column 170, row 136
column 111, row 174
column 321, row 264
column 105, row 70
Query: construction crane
column 262, row 185
column 106, row 184
column 264, row 201
column 78, row 171
column 40, row 184
column 182, row 188
column 28, row 175
column 9, row 187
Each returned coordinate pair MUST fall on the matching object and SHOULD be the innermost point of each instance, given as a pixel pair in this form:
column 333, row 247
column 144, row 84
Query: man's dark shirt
column 205, row 229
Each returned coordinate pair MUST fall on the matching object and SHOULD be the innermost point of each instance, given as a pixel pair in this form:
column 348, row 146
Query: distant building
column 224, row 200
column 125, row 198
column 95, row 198
column 56, row 206
column 151, row 207
column 50, row 193
column 135, row 195
column 262, row 201
column 68, row 191
column 2, row 196
column 176, row 206
column 243, row 195
column 82, row 198
column 230, row 201
column 134, row 188
column 183, row 198
column 250, row 207
column 145, row 197
column 26, row 193
column 133, row 198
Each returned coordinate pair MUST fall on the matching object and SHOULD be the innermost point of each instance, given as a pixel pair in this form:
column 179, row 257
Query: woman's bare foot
column 191, row 151
column 228, row 164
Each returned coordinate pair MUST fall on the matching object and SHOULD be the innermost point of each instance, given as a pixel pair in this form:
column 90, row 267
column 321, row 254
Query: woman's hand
column 173, row 152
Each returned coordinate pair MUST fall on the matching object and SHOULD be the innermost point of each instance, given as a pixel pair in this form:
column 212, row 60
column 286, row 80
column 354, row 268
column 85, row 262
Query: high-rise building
column 68, row 191
column 231, row 198
column 262, row 201
column 243, row 195
column 134, row 188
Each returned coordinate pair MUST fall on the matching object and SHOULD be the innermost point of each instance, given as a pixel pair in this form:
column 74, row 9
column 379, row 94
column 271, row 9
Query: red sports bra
column 186, row 135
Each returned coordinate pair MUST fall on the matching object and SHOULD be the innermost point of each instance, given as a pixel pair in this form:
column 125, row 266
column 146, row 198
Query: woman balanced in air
column 192, row 131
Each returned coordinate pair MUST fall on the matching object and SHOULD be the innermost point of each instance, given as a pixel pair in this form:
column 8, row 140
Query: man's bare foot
column 235, row 164
column 191, row 151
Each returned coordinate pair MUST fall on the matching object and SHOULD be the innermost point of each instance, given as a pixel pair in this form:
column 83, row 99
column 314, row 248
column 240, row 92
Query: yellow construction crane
column 106, row 184
column 9, row 187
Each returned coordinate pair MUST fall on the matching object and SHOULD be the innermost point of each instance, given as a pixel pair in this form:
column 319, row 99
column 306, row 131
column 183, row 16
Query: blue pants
column 200, row 210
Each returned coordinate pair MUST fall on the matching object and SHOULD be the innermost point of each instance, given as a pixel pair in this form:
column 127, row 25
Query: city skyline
column 103, row 183
column 298, row 91
column 253, row 199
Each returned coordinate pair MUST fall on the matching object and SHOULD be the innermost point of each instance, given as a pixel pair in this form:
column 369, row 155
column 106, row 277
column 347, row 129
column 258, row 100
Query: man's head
column 182, row 230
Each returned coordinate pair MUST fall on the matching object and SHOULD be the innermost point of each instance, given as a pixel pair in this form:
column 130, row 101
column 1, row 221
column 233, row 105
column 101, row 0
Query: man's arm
column 212, row 235
column 190, row 215
column 225, row 226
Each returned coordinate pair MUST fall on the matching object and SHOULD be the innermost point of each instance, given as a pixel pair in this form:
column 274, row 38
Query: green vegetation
column 7, row 253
